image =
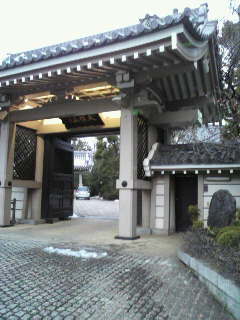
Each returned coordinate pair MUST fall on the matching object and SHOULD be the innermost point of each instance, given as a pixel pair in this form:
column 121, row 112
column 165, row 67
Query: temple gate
column 139, row 80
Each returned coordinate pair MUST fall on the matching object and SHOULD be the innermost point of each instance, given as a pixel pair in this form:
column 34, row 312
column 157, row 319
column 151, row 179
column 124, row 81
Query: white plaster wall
column 19, row 194
column 172, row 219
column 160, row 205
column 233, row 186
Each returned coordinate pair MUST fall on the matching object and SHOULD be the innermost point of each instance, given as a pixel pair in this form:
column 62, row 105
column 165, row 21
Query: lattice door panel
column 25, row 154
column 142, row 149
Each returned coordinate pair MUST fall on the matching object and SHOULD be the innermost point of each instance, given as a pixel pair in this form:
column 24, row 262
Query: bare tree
column 229, row 43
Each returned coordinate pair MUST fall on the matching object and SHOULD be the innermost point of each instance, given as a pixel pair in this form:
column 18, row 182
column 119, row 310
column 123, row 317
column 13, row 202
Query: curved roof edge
column 195, row 21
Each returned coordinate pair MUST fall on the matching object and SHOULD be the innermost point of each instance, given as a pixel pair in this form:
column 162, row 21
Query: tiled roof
column 201, row 153
column 195, row 21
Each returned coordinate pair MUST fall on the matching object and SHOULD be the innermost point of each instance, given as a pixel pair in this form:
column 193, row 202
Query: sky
column 30, row 24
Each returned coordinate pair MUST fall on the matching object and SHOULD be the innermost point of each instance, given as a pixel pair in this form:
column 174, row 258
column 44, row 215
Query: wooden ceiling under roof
column 172, row 63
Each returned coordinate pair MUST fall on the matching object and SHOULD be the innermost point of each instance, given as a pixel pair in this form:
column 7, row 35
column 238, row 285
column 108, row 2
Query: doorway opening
column 65, row 164
column 185, row 195
column 58, row 173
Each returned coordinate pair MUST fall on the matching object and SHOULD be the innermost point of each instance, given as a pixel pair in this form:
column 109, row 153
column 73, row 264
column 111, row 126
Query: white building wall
column 83, row 159
column 163, row 199
column 162, row 208
column 20, row 195
column 233, row 186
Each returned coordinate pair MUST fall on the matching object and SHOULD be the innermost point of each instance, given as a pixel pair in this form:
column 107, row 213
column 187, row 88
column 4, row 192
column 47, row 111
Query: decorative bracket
column 5, row 101
column 124, row 80
column 149, row 96
column 146, row 162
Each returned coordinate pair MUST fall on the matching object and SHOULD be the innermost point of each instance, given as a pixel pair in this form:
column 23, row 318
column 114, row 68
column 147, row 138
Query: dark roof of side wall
column 202, row 153
column 194, row 20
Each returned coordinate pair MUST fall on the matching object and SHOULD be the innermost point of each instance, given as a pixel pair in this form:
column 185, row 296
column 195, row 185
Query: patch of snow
column 165, row 263
column 79, row 254
column 74, row 216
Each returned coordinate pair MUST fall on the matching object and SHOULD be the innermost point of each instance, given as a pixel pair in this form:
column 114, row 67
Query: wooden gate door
column 58, row 179
column 186, row 194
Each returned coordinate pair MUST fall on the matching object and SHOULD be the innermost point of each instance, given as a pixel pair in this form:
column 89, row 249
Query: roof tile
column 195, row 20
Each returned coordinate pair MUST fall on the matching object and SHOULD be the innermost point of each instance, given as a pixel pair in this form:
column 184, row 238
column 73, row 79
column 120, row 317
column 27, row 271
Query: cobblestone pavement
column 38, row 285
column 94, row 207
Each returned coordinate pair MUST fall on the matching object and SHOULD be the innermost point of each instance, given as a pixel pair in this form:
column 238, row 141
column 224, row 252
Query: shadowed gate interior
column 58, row 179
column 58, row 175
column 185, row 195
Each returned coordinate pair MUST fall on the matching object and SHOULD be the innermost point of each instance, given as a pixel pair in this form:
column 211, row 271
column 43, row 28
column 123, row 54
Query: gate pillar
column 80, row 180
column 7, row 143
column 128, row 175
column 146, row 208
column 36, row 194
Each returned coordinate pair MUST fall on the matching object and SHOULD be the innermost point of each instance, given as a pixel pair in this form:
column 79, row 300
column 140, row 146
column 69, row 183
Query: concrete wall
column 20, row 195
column 233, row 186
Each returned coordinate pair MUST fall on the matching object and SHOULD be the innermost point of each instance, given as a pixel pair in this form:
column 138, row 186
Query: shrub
column 212, row 231
column 229, row 238
column 236, row 223
column 201, row 245
column 226, row 229
column 197, row 224
column 238, row 214
column 194, row 212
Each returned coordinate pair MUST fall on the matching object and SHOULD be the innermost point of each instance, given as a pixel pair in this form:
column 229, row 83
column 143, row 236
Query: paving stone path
column 38, row 285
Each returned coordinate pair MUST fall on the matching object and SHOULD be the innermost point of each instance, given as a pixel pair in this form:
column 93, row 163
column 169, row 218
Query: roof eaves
column 195, row 21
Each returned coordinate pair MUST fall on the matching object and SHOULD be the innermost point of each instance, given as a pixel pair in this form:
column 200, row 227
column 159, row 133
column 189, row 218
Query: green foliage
column 197, row 224
column 212, row 231
column 236, row 223
column 105, row 171
column 226, row 229
column 194, row 212
column 238, row 214
column 229, row 238
column 80, row 145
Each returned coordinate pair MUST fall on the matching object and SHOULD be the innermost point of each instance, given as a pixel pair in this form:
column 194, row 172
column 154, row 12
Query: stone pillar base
column 5, row 206
column 30, row 221
column 127, row 213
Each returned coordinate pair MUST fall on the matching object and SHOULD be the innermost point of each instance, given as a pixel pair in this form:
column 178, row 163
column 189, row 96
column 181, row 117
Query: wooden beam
column 62, row 84
column 30, row 184
column 164, row 71
column 177, row 104
column 144, row 40
column 66, row 109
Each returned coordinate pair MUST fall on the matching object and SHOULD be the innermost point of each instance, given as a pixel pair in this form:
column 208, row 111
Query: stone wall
column 212, row 184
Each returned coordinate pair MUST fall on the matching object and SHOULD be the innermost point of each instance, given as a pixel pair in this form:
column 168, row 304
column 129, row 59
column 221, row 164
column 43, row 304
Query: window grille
column 142, row 149
column 24, row 154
